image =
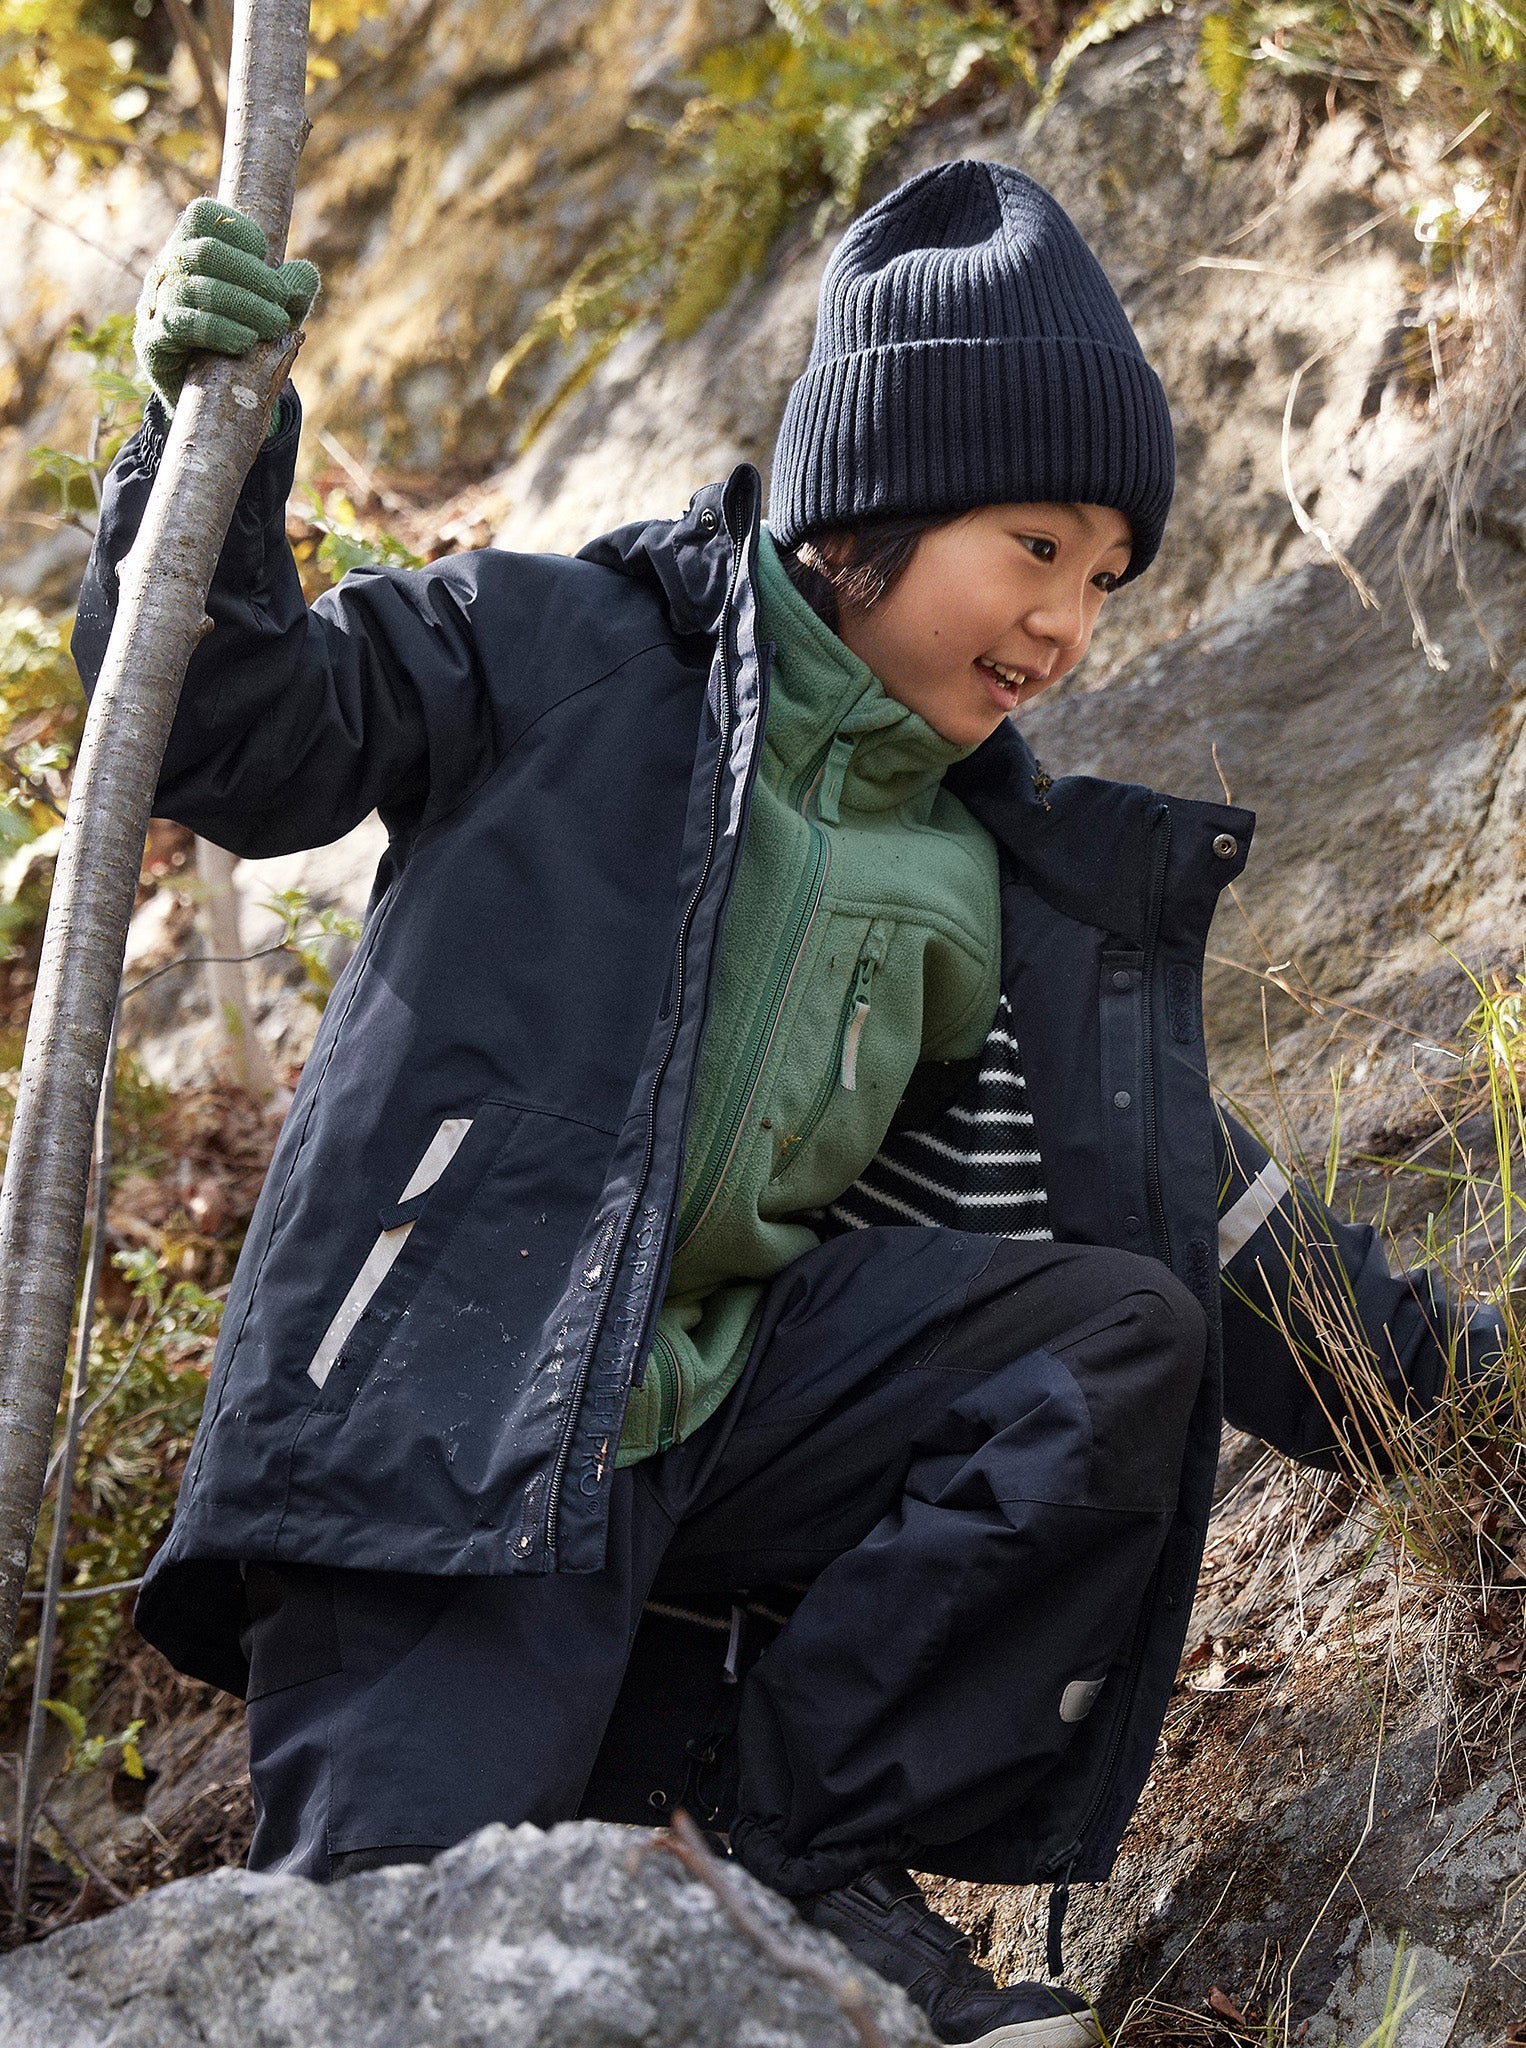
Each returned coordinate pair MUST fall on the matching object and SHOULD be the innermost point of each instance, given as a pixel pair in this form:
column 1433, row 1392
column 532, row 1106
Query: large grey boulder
column 580, row 1938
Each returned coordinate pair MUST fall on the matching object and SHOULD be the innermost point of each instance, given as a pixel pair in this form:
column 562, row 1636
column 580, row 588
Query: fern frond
column 1100, row 24
column 1224, row 56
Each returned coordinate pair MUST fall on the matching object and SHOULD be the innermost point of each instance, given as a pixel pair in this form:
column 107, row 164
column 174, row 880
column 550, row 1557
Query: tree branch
column 217, row 430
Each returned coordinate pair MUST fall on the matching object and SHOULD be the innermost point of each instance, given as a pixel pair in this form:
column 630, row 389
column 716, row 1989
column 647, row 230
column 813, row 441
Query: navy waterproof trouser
column 964, row 1450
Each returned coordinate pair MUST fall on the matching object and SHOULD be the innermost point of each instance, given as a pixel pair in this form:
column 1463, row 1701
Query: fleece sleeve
column 295, row 722
column 1301, row 1291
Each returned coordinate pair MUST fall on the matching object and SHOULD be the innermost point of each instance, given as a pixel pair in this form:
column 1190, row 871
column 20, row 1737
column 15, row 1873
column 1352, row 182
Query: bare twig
column 191, row 36
column 114, row 1892
column 33, row 788
column 67, row 227
column 205, row 960
column 1306, row 522
column 88, row 1592
column 155, row 158
column 684, row 1841
column 361, row 477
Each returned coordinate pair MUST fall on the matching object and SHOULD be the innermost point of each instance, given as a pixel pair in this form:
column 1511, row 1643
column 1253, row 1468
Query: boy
column 756, row 1183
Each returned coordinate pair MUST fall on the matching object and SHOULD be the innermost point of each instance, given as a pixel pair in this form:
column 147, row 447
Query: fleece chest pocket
column 833, row 1032
column 413, row 1231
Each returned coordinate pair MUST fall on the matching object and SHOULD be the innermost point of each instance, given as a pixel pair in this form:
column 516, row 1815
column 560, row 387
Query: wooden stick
column 686, row 1842
column 216, row 432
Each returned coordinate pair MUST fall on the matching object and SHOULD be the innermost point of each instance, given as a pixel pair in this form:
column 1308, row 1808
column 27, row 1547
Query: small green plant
column 121, row 394
column 1462, row 60
column 311, row 935
column 42, row 706
column 147, row 1382
column 41, row 713
column 87, row 1750
column 345, row 543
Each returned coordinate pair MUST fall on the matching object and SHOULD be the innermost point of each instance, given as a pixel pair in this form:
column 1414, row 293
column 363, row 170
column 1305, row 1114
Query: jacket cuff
column 145, row 450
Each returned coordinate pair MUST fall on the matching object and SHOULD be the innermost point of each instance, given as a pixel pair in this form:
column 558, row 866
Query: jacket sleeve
column 1303, row 1295
column 296, row 723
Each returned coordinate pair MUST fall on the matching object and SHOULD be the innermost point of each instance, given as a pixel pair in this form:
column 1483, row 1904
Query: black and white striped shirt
column 976, row 1168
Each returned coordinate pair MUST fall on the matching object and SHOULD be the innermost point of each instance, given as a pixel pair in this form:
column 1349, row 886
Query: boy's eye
column 1045, row 550
column 1106, row 581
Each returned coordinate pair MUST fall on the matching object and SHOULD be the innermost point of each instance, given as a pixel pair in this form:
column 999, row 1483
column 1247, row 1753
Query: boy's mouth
column 1005, row 685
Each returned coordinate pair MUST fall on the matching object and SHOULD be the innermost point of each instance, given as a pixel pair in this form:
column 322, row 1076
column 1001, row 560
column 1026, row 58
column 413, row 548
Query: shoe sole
column 1062, row 2030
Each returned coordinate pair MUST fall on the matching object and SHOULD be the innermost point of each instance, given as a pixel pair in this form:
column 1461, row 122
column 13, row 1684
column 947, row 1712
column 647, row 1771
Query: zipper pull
column 833, row 775
column 1054, row 1959
column 1054, row 1945
column 870, row 961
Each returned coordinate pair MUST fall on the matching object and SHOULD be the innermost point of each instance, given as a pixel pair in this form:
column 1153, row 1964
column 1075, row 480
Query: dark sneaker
column 889, row 1926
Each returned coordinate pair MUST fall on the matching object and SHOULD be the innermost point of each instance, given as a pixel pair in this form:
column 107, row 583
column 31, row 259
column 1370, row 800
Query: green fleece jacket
column 862, row 936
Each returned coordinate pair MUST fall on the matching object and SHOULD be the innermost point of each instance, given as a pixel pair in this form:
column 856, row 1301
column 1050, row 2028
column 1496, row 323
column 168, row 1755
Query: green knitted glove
column 210, row 288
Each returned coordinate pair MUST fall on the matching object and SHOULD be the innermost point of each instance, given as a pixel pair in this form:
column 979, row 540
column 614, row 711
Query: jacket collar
column 827, row 710
column 1086, row 844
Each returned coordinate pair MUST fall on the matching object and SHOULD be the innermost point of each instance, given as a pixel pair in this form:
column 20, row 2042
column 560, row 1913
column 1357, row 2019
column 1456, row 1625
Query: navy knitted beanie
column 969, row 351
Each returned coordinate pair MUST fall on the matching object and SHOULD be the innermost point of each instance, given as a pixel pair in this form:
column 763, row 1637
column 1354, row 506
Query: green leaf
column 71, row 1717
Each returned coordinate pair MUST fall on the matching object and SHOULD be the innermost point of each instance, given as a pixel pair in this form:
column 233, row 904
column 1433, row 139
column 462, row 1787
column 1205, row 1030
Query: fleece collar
column 827, row 711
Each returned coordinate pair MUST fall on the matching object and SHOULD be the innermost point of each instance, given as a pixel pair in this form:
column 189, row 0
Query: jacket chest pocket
column 414, row 1230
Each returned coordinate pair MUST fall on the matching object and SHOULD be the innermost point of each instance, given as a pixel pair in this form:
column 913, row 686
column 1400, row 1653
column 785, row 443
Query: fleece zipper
column 760, row 1038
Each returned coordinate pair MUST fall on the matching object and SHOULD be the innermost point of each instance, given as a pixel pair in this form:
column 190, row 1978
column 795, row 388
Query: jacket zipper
column 670, row 1388
column 1160, row 848
column 617, row 1249
column 843, row 1072
column 760, row 1040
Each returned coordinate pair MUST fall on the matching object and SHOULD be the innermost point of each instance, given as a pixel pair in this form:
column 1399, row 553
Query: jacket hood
column 688, row 560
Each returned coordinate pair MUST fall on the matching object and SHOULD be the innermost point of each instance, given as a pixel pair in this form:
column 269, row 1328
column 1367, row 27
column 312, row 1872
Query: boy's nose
column 1062, row 621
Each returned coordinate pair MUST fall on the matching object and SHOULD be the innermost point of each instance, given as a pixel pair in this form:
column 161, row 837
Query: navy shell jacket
column 452, row 1273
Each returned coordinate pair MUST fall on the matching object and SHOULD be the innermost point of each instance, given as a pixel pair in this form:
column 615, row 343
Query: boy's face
column 993, row 607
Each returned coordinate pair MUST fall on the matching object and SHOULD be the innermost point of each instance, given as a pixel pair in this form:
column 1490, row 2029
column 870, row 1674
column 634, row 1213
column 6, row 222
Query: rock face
column 581, row 1938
